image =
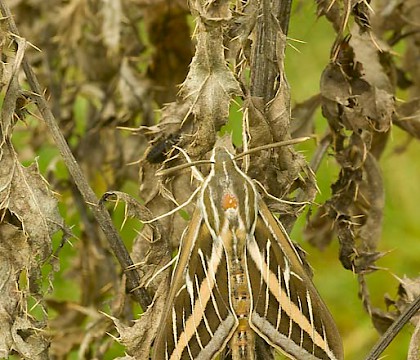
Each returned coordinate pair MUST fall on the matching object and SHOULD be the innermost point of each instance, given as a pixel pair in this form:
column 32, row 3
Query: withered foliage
column 150, row 82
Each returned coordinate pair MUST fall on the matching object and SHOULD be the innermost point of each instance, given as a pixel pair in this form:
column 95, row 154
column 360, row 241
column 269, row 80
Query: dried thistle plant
column 107, row 66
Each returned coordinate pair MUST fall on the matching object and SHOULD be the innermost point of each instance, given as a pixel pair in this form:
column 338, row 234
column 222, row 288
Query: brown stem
column 264, row 68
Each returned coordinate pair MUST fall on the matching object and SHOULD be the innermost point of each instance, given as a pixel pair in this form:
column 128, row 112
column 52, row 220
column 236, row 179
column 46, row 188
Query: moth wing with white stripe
column 198, row 321
column 208, row 304
column 287, row 310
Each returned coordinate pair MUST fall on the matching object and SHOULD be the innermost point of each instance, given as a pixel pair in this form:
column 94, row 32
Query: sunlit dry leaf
column 111, row 25
column 408, row 291
column 28, row 341
column 414, row 347
column 10, row 77
column 15, row 254
column 69, row 20
column 26, row 195
column 210, row 84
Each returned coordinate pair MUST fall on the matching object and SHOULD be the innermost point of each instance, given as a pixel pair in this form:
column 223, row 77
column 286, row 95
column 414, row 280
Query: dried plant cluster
column 113, row 63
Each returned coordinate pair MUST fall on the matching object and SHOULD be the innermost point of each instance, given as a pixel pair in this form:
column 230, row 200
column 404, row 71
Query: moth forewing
column 288, row 311
column 197, row 323
column 238, row 277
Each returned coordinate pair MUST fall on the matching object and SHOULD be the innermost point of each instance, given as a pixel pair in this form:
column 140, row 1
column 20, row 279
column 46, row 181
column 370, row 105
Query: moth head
column 221, row 154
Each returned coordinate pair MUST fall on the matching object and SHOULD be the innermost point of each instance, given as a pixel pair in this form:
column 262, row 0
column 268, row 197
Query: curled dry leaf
column 27, row 340
column 11, row 262
column 408, row 291
column 136, row 210
column 13, row 92
column 355, row 213
column 357, row 97
column 408, row 117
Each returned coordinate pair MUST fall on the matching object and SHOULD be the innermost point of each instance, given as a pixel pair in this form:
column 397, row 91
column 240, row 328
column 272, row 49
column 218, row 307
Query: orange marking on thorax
column 229, row 201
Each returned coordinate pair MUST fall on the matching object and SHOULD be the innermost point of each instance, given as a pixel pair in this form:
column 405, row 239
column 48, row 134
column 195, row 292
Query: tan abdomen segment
column 242, row 343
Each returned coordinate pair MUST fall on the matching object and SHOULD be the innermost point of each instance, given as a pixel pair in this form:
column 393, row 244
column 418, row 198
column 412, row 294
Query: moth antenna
column 166, row 172
column 278, row 199
column 194, row 170
column 174, row 210
column 162, row 269
column 273, row 145
column 190, row 163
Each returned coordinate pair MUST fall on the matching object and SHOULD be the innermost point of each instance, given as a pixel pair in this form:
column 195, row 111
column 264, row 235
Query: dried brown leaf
column 355, row 213
column 136, row 210
column 151, row 247
column 26, row 200
column 19, row 331
column 319, row 230
column 371, row 200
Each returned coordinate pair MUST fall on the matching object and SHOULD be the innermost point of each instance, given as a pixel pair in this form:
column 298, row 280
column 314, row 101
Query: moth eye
column 229, row 201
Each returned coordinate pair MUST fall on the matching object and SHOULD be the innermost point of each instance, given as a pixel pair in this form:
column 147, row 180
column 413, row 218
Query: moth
column 238, row 279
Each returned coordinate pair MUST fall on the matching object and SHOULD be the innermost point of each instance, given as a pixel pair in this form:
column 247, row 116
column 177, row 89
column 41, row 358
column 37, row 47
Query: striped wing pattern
column 239, row 277
column 288, row 311
column 199, row 321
